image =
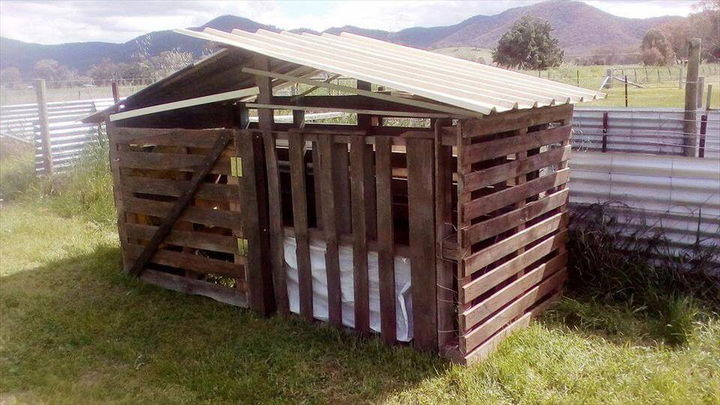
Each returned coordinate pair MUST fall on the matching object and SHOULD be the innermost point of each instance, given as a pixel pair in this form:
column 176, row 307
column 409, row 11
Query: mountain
column 579, row 27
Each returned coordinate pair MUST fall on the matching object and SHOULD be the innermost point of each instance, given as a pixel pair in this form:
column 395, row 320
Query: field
column 76, row 330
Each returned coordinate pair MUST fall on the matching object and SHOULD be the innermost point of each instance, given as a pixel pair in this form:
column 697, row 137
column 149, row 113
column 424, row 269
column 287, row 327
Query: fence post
column 626, row 95
column 577, row 75
column 709, row 97
column 44, row 126
column 115, row 91
column 605, row 131
column 691, row 83
column 700, row 89
column 682, row 70
column 703, row 131
column 609, row 74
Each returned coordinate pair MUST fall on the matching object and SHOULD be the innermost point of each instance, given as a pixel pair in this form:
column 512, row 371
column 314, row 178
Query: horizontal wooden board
column 508, row 121
column 198, row 138
column 498, row 250
column 226, row 295
column 512, row 195
column 204, row 216
column 506, row 146
column 191, row 239
column 489, row 327
column 484, row 350
column 497, row 225
column 174, row 188
column 476, row 180
column 487, row 281
column 192, row 262
column 169, row 161
column 475, row 314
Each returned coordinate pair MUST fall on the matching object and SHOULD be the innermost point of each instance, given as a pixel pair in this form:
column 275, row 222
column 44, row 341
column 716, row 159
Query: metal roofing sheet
column 460, row 83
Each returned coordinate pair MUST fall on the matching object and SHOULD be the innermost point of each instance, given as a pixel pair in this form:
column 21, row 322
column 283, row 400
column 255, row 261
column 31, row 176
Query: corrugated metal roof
column 460, row 83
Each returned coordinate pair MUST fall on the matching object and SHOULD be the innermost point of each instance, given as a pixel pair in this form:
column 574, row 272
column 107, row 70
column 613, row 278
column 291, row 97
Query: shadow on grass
column 78, row 328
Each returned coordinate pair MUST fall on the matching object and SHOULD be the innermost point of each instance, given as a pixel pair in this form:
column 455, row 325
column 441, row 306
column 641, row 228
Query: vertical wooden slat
column 443, row 229
column 341, row 184
column 385, row 238
column 327, row 197
column 253, row 197
column 462, row 222
column 422, row 241
column 316, row 185
column 265, row 123
column 359, row 230
column 118, row 193
column 300, row 221
column 370, row 200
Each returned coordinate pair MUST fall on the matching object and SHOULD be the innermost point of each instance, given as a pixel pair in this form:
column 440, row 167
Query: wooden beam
column 404, row 114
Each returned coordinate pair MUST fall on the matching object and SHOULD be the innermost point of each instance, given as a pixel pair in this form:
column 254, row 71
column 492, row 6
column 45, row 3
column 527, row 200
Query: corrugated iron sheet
column 472, row 86
column 679, row 194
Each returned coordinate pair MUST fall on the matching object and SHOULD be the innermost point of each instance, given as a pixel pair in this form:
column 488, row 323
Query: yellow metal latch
column 242, row 247
column 236, row 166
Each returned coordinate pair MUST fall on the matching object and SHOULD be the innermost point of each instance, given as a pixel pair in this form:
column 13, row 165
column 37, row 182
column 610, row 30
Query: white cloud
column 122, row 20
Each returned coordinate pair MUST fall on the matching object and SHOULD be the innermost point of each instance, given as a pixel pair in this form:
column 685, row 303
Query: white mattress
column 403, row 300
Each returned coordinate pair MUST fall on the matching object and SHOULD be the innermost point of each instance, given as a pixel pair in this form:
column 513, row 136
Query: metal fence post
column 44, row 124
column 605, row 131
column 703, row 131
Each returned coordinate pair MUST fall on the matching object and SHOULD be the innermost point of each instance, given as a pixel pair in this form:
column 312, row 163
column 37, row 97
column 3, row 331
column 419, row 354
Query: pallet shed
column 435, row 213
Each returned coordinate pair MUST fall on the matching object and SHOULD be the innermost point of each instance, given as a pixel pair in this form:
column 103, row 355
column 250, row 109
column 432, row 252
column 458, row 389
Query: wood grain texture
column 328, row 171
column 300, row 222
column 359, row 230
column 385, row 239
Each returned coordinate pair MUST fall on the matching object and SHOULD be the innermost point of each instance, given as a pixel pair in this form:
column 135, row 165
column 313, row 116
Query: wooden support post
column 277, row 236
column 359, row 229
column 682, row 70
column 609, row 83
column 708, row 100
column 700, row 90
column 689, row 125
column 363, row 120
column 44, row 127
column 115, row 91
column 626, row 89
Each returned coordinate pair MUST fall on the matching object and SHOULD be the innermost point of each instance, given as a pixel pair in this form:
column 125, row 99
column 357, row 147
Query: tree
column 656, row 49
column 10, row 77
column 52, row 70
column 528, row 44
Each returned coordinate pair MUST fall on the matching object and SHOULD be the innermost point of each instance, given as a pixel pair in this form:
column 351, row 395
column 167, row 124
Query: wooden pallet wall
column 512, row 220
column 204, row 254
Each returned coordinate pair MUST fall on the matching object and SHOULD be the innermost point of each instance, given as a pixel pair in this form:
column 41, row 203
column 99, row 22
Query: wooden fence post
column 115, row 91
column 691, row 84
column 44, row 126
column 709, row 97
column 700, row 90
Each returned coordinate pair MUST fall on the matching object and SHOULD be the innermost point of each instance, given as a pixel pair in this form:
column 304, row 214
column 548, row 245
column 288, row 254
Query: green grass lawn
column 75, row 330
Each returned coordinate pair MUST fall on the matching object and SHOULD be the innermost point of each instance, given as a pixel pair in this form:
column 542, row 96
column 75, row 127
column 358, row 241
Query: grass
column 76, row 330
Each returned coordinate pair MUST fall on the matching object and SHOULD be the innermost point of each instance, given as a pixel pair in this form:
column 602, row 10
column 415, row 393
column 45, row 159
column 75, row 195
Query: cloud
column 121, row 20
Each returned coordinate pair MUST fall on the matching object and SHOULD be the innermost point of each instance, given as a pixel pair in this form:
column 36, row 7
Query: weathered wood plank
column 475, row 314
column 118, row 193
column 202, row 169
column 422, row 242
column 300, row 222
column 186, row 261
column 341, row 181
column 198, row 138
column 385, row 239
column 476, row 180
column 503, row 198
column 204, row 216
column 195, row 287
column 169, row 161
column 359, row 230
column 479, row 260
column 330, row 231
column 174, row 188
column 506, row 146
column 490, row 326
column 511, row 120
column 495, row 226
column 191, row 239
column 473, row 289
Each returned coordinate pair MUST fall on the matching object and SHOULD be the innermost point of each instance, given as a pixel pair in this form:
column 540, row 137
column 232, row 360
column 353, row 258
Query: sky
column 53, row 22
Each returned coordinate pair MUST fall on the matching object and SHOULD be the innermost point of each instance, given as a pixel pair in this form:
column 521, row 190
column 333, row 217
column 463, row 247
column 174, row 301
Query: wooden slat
column 199, row 138
column 169, row 161
column 495, row 226
column 253, row 198
column 385, row 239
column 498, row 250
column 202, row 169
column 421, row 215
column 191, row 239
column 192, row 262
column 265, row 124
column 300, row 221
column 341, row 181
column 359, row 230
column 174, row 188
column 487, row 281
column 509, row 121
column 490, row 326
column 475, row 314
column 506, row 146
column 483, row 351
column 122, row 217
column 482, row 178
column 195, row 287
column 209, row 217
column 370, row 199
column 330, row 231
column 503, row 198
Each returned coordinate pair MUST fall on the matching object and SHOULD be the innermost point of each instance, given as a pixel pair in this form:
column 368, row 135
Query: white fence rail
column 679, row 194
column 656, row 131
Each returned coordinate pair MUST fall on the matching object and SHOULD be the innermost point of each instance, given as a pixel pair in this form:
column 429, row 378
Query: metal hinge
column 236, row 169
column 242, row 246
